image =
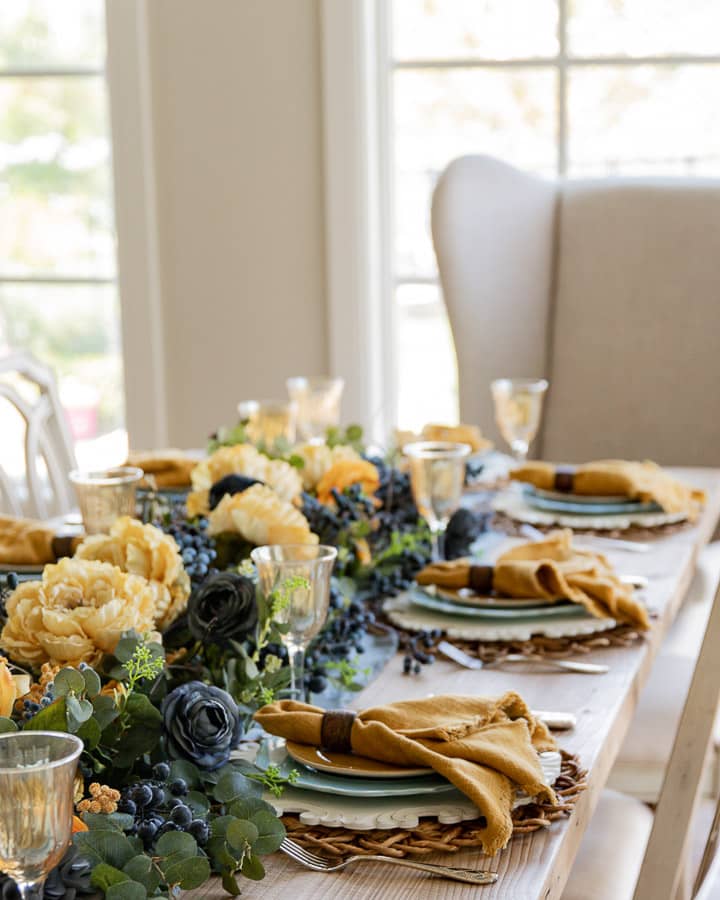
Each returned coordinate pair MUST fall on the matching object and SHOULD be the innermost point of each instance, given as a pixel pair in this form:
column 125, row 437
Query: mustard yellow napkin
column 463, row 434
column 645, row 482
column 488, row 748
column 25, row 542
column 169, row 468
column 551, row 569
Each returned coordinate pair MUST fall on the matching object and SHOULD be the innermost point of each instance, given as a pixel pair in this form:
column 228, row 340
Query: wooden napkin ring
column 564, row 479
column 335, row 730
column 480, row 579
column 64, row 545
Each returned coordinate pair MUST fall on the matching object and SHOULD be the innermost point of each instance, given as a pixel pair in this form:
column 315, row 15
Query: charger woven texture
column 432, row 837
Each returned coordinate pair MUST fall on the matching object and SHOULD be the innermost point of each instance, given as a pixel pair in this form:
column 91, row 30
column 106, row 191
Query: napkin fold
column 169, row 468
column 551, row 569
column 26, row 542
column 487, row 747
column 645, row 482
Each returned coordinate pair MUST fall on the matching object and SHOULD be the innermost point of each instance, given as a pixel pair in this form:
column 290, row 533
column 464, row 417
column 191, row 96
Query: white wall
column 235, row 89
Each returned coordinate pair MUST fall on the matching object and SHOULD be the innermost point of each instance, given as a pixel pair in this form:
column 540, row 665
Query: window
column 58, row 293
column 577, row 87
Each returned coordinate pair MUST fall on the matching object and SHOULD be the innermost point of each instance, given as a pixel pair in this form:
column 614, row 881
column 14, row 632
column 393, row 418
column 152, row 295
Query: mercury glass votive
column 105, row 495
column 37, row 771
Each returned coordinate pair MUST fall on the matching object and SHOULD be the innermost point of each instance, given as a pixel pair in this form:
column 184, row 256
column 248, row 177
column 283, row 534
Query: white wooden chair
column 626, row 852
column 609, row 288
column 30, row 389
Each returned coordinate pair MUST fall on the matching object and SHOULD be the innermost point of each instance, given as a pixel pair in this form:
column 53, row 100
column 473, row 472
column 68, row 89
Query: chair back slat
column 663, row 866
column 47, row 445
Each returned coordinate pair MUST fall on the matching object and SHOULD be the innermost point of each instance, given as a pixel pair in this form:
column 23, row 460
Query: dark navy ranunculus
column 223, row 608
column 201, row 724
column 230, row 484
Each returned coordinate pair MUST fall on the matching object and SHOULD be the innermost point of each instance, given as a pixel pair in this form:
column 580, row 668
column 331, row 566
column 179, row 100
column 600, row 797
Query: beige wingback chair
column 610, row 288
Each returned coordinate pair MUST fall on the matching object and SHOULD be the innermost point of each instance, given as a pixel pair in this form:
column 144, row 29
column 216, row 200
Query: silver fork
column 472, row 662
column 318, row 864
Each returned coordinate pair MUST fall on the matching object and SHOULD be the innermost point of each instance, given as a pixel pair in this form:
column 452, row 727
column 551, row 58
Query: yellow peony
column 76, row 614
column 244, row 459
column 463, row 434
column 261, row 517
column 345, row 473
column 11, row 687
column 318, row 458
column 144, row 550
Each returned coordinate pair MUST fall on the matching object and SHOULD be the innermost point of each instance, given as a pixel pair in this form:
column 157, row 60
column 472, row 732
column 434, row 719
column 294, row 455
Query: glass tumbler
column 437, row 476
column 37, row 771
column 105, row 495
column 270, row 421
column 318, row 400
column 296, row 579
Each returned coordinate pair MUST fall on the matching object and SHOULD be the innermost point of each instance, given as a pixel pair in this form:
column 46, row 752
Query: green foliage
column 352, row 436
column 344, row 672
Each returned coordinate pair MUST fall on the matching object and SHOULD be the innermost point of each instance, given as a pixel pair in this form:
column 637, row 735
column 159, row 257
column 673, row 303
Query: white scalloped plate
column 365, row 813
column 404, row 614
column 535, row 610
column 513, row 504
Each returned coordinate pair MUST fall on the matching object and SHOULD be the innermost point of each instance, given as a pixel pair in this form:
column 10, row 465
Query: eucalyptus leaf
column 50, row 718
column 127, row 890
column 198, row 803
column 188, row 873
column 271, row 832
column 176, row 842
column 78, row 711
column 252, row 868
column 92, row 681
column 68, row 681
column 105, row 875
column 7, row 726
column 219, row 851
column 242, row 834
column 219, row 825
column 181, row 768
column 141, row 869
column 105, row 846
column 232, row 785
column 105, row 710
column 90, row 733
column 230, row 885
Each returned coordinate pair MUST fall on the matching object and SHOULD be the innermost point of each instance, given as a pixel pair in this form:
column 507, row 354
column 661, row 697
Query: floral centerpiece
column 154, row 646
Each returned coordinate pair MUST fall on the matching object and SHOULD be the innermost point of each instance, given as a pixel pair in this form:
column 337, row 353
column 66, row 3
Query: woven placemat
column 502, row 522
column 432, row 837
column 553, row 647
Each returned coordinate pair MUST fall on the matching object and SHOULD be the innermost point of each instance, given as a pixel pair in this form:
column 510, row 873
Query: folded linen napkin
column 169, row 468
column 552, row 569
column 487, row 747
column 642, row 481
column 26, row 542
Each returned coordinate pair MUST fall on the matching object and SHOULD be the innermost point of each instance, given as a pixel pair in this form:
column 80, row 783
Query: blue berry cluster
column 158, row 805
column 197, row 548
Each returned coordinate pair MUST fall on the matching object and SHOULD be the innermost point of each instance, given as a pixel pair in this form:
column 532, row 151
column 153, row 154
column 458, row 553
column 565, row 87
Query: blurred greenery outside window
column 58, row 292
column 556, row 87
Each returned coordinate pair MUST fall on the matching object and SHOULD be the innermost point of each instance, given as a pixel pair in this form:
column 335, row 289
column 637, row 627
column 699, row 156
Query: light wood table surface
column 535, row 866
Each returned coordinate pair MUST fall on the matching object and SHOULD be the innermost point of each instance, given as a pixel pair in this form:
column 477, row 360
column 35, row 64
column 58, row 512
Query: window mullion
column 562, row 130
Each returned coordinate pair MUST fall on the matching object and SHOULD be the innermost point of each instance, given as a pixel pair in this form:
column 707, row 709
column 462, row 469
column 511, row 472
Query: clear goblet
column 318, row 400
column 518, row 409
column 437, row 476
column 37, row 771
column 297, row 578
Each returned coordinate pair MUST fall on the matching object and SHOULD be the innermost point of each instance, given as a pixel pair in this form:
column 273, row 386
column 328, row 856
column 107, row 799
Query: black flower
column 230, row 484
column 222, row 609
column 201, row 724
column 463, row 528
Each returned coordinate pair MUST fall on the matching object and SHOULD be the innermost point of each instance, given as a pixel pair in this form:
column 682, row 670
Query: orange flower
column 346, row 472
column 7, row 689
column 78, row 825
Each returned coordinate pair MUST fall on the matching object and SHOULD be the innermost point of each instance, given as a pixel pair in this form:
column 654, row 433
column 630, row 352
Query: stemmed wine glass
column 437, row 476
column 296, row 578
column 518, row 409
column 318, row 399
column 37, row 771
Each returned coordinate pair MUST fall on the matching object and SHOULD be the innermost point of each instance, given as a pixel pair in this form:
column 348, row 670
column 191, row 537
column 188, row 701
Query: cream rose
column 147, row 551
column 77, row 613
column 244, row 459
column 261, row 517
column 319, row 458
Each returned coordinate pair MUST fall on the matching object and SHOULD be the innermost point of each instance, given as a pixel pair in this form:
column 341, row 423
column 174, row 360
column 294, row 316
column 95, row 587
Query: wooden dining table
column 534, row 866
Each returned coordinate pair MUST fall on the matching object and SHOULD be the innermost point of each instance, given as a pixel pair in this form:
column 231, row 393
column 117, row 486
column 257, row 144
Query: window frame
column 357, row 60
